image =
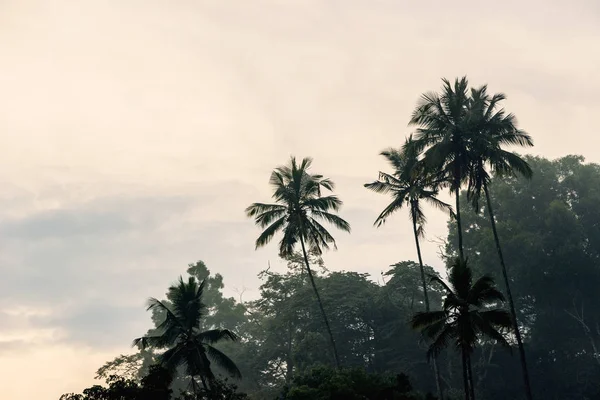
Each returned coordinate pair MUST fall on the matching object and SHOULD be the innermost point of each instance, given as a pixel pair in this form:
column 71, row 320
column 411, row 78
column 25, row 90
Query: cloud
column 131, row 149
column 88, row 269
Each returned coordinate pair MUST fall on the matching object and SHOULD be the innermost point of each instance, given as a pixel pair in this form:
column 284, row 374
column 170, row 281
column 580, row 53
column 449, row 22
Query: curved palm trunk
column 438, row 382
column 470, row 371
column 465, row 373
column 511, row 303
column 325, row 319
column 459, row 223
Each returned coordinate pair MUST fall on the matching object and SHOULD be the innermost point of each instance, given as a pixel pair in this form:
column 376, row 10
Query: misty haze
column 299, row 200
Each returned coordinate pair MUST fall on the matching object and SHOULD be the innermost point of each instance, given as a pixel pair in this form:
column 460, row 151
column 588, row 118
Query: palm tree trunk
column 289, row 360
column 470, row 371
column 438, row 382
column 459, row 223
column 325, row 319
column 465, row 373
column 511, row 303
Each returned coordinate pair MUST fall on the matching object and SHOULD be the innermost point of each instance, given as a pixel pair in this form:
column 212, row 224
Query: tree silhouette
column 465, row 317
column 408, row 184
column 298, row 208
column 442, row 133
column 181, row 335
column 491, row 129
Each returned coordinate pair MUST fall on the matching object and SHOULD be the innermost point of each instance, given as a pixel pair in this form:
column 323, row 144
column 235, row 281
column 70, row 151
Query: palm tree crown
column 442, row 135
column 465, row 317
column 299, row 209
column 442, row 125
column 180, row 333
column 409, row 183
column 465, row 314
column 491, row 128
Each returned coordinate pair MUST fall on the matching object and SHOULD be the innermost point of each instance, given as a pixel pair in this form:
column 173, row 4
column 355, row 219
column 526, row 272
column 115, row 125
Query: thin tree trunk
column 438, row 382
column 511, row 303
column 289, row 360
column 459, row 222
column 416, row 233
column 470, row 371
column 465, row 373
column 577, row 316
column 325, row 319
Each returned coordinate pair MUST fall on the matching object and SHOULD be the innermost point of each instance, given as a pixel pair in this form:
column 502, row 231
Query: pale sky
column 133, row 133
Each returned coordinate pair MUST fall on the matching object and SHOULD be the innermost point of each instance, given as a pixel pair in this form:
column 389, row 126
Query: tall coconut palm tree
column 180, row 333
column 298, row 212
column 466, row 317
column 491, row 128
column 408, row 184
column 442, row 133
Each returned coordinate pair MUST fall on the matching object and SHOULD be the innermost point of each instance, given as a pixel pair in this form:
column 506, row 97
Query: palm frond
column 291, row 236
column 497, row 318
column 441, row 341
column 186, row 298
column 266, row 236
column 391, row 208
column 333, row 219
column 215, row 335
column 508, row 163
column 154, row 341
column 423, row 320
column 171, row 320
column 223, row 361
column 460, row 278
column 437, row 203
column 256, row 209
column 383, row 186
column 439, row 281
column 325, row 203
column 484, row 292
column 172, row 358
column 483, row 324
column 318, row 237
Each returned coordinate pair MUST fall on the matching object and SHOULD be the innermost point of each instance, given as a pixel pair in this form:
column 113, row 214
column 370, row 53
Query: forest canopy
column 550, row 226
column 509, row 318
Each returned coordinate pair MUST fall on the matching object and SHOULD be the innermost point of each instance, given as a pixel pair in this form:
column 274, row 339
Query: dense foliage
column 550, row 228
column 552, row 245
column 531, row 224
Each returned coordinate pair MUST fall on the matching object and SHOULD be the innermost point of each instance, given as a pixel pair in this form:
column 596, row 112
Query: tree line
column 308, row 319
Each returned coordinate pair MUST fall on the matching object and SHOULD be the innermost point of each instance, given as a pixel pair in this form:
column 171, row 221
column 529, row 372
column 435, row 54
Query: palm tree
column 408, row 185
column 491, row 129
column 465, row 318
column 442, row 134
column 298, row 208
column 180, row 333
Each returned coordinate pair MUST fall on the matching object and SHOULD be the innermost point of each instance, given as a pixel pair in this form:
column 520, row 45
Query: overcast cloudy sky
column 133, row 133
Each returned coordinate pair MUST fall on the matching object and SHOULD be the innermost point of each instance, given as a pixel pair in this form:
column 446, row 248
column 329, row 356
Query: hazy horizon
column 134, row 133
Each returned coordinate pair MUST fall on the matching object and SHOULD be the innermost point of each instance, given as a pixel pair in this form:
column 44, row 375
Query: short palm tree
column 491, row 129
column 180, row 333
column 443, row 134
column 465, row 318
column 409, row 184
column 298, row 212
